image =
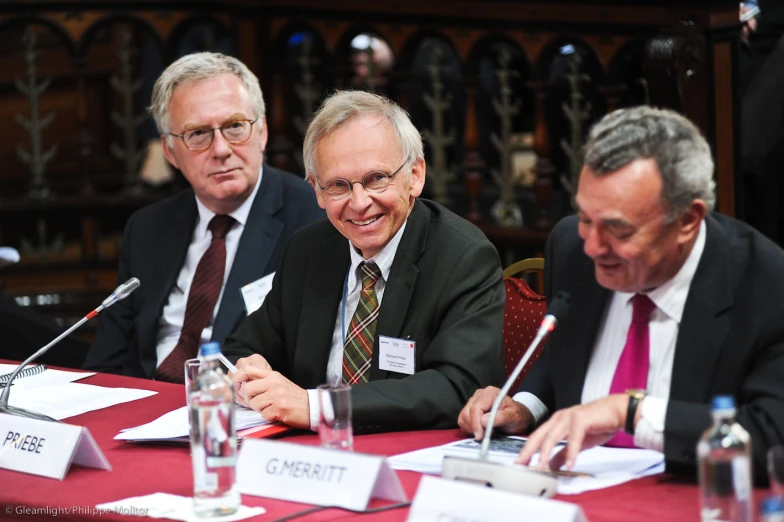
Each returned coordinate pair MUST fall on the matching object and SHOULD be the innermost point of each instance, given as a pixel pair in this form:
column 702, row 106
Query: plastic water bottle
column 724, row 454
column 772, row 510
column 213, row 438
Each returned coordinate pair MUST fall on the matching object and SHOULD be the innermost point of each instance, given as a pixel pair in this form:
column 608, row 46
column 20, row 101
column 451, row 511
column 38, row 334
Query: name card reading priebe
column 444, row 500
column 315, row 475
column 47, row 448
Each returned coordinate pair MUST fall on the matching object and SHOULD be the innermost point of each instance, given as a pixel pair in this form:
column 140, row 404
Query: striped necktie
column 358, row 346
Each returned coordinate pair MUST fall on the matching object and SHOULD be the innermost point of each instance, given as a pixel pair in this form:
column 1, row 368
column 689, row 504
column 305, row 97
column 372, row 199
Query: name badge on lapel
column 253, row 294
column 396, row 355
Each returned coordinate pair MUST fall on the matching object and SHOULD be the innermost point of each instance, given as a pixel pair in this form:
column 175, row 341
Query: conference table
column 144, row 469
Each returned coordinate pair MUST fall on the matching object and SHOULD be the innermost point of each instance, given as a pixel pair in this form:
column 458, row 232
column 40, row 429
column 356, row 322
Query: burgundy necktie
column 632, row 369
column 205, row 289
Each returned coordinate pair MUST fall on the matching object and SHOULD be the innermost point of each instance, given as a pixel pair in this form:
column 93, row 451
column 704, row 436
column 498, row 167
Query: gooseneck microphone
column 510, row 477
column 120, row 293
column 557, row 310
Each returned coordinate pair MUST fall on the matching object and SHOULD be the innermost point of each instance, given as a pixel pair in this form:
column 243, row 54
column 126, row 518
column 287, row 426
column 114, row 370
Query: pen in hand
column 227, row 363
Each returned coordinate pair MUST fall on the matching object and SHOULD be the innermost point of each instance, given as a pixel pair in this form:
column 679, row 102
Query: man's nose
column 220, row 146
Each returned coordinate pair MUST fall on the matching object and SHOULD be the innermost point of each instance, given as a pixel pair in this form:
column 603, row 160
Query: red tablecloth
column 144, row 469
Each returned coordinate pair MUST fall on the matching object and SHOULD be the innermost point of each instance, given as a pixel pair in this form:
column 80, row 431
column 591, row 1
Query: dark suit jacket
column 445, row 292
column 155, row 243
column 730, row 341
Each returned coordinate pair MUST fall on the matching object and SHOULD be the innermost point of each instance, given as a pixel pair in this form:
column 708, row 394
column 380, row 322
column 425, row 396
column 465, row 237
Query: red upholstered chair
column 522, row 316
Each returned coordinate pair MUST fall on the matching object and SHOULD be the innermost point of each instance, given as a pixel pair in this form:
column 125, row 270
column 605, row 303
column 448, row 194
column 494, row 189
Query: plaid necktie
column 358, row 348
column 202, row 298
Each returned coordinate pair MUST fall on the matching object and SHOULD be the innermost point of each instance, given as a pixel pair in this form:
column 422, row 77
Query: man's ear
column 167, row 152
column 418, row 170
column 318, row 191
column 690, row 220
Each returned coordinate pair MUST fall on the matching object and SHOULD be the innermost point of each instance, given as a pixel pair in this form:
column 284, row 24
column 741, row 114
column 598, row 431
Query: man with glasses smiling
column 395, row 295
column 203, row 254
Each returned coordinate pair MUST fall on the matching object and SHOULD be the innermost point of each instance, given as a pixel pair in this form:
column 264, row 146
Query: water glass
column 776, row 470
column 335, row 431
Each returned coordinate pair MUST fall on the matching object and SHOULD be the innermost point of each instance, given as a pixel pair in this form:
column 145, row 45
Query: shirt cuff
column 314, row 410
column 534, row 405
column 649, row 432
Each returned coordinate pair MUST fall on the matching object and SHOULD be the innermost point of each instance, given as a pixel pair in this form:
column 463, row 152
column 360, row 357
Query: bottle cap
column 723, row 402
column 208, row 349
column 772, row 505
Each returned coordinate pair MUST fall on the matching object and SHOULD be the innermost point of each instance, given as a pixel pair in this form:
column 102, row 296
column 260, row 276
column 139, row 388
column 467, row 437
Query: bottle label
column 220, row 462
column 741, row 477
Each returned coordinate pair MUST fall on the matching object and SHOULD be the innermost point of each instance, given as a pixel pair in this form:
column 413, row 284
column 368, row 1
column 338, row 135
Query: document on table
column 68, row 399
column 45, row 378
column 607, row 466
column 175, row 426
column 174, row 507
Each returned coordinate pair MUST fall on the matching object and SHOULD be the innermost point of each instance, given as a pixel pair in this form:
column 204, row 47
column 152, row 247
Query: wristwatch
column 635, row 396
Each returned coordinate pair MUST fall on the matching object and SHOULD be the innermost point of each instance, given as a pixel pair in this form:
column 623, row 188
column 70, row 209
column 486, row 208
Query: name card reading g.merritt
column 47, row 448
column 315, row 475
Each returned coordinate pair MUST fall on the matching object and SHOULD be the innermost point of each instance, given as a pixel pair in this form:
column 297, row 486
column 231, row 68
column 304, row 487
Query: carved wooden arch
column 54, row 26
column 552, row 47
column 182, row 27
column 342, row 51
column 106, row 21
column 481, row 45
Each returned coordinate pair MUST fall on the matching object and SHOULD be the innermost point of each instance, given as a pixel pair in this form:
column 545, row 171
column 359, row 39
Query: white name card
column 47, row 448
column 444, row 500
column 315, row 475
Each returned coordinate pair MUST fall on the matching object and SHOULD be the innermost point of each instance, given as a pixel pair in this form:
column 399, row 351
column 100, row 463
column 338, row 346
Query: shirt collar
column 670, row 297
column 383, row 259
column 240, row 214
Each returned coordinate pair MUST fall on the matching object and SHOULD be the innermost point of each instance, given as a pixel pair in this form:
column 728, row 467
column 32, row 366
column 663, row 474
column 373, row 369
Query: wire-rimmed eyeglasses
column 237, row 131
column 375, row 181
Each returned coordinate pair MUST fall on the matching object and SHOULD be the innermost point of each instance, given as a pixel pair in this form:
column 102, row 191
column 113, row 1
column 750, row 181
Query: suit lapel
column 323, row 290
column 576, row 336
column 701, row 331
column 254, row 251
column 402, row 280
column 174, row 241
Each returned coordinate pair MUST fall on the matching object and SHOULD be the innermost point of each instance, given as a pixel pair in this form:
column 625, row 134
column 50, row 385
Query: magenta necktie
column 202, row 298
column 632, row 369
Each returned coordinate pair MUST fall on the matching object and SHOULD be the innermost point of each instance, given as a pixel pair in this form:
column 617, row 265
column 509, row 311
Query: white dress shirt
column 670, row 299
column 383, row 261
column 170, row 323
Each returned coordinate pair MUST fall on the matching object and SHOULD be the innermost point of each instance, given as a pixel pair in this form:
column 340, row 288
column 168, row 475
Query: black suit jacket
column 155, row 243
column 445, row 291
column 730, row 340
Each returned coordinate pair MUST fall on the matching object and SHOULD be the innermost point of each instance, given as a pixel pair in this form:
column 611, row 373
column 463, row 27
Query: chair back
column 523, row 314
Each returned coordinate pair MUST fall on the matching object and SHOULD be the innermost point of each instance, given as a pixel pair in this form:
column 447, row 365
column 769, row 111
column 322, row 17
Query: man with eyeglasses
column 395, row 295
column 206, row 255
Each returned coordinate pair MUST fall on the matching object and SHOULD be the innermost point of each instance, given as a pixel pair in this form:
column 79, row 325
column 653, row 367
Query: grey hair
column 344, row 106
column 196, row 67
column 673, row 142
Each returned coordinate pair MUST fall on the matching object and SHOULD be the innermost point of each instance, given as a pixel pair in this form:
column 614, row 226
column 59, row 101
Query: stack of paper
column 606, row 466
column 175, row 426
column 54, row 393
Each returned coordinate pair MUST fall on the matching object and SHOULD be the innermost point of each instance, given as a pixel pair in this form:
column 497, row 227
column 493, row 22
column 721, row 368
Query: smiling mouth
column 364, row 223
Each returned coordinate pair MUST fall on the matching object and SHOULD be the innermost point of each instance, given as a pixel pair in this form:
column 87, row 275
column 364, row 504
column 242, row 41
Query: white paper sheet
column 165, row 505
column 609, row 466
column 176, row 425
column 45, row 378
column 61, row 401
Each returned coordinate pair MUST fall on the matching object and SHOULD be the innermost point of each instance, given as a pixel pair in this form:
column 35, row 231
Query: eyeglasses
column 375, row 181
column 200, row 139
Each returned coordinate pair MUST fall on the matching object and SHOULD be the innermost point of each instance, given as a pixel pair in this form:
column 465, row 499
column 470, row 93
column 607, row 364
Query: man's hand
column 512, row 416
column 274, row 396
column 239, row 378
column 582, row 426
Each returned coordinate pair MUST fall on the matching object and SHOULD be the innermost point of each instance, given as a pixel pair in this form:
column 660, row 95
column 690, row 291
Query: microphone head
column 121, row 292
column 559, row 305
column 125, row 289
